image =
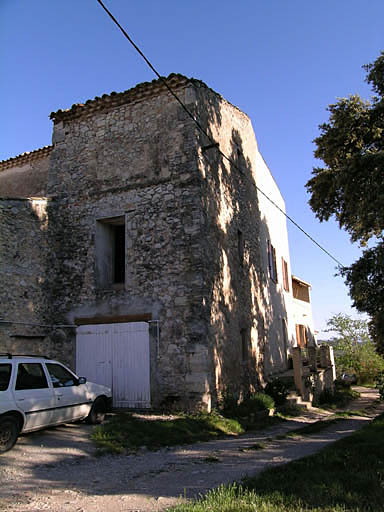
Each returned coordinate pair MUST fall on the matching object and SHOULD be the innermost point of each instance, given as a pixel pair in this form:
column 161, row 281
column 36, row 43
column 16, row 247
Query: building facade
column 134, row 251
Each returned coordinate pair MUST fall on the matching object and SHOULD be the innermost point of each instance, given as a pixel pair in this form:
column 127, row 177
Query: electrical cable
column 213, row 142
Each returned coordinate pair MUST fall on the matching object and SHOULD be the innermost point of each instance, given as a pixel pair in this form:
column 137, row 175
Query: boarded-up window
column 284, row 266
column 272, row 262
column 301, row 336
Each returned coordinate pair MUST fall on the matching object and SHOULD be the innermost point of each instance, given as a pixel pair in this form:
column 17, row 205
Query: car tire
column 9, row 432
column 98, row 411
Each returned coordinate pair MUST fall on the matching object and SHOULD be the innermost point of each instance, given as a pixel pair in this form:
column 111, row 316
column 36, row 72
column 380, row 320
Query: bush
column 278, row 390
column 255, row 403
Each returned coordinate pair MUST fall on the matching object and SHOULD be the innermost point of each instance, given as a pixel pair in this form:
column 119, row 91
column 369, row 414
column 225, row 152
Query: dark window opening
column 240, row 247
column 119, row 254
column 272, row 262
column 244, row 345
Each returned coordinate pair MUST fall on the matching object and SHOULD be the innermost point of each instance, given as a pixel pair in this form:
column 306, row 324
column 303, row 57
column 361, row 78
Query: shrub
column 255, row 403
column 278, row 390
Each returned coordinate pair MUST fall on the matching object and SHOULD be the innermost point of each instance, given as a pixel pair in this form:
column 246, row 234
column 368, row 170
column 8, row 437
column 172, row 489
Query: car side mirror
column 81, row 380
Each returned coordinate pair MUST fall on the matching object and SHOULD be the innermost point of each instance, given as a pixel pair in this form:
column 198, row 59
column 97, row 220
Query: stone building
column 132, row 250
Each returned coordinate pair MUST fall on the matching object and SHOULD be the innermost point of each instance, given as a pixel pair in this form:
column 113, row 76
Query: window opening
column 272, row 262
column 301, row 336
column 119, row 254
column 284, row 266
column 244, row 345
column 240, row 246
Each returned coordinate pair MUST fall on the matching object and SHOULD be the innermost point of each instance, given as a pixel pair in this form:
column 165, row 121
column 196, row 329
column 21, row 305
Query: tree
column 354, row 350
column 350, row 188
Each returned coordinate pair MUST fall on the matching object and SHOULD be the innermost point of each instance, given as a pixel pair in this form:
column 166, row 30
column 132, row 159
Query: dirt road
column 56, row 470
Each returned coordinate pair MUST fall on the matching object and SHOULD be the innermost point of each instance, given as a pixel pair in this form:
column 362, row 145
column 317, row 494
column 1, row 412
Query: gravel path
column 56, row 470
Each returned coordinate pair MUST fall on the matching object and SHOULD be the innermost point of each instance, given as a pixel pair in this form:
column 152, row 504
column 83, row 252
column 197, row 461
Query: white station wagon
column 37, row 392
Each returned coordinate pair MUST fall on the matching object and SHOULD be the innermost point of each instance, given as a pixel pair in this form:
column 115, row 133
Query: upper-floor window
column 272, row 262
column 284, row 267
column 110, row 252
column 240, row 246
column 300, row 290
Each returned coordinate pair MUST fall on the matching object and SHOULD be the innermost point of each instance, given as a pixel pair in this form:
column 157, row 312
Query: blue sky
column 280, row 62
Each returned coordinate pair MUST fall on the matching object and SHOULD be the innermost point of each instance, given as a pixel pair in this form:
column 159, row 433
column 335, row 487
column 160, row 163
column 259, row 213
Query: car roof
column 24, row 357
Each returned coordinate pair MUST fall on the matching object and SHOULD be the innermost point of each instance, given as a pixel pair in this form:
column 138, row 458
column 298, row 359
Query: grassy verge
column 125, row 433
column 348, row 476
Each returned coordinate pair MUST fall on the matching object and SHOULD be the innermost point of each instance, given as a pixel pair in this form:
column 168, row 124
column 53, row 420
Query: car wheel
column 98, row 411
column 9, row 431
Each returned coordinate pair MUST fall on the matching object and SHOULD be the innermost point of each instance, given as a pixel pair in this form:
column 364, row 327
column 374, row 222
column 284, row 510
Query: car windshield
column 5, row 375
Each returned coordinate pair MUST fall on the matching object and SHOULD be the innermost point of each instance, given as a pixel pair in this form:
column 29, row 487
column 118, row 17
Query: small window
column 284, row 266
column 240, row 247
column 301, row 336
column 30, row 376
column 272, row 262
column 110, row 252
column 5, row 375
column 60, row 376
column 244, row 345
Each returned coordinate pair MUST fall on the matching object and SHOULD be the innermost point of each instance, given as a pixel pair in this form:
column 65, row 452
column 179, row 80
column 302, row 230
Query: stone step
column 295, row 399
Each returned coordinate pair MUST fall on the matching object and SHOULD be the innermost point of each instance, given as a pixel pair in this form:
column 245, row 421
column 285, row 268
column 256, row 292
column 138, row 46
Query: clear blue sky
column 281, row 62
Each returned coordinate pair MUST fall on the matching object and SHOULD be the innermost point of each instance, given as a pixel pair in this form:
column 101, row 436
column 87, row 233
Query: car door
column 33, row 395
column 70, row 397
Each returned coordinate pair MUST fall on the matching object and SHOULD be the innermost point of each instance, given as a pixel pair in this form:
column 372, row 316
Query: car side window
column 5, row 375
column 30, row 376
column 60, row 376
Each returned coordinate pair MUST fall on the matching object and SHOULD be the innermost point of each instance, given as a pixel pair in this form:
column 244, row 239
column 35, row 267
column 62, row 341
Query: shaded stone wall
column 23, row 248
column 241, row 303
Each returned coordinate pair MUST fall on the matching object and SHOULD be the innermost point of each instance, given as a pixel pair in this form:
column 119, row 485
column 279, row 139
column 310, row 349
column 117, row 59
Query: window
column 240, row 247
column 284, row 266
column 30, row 376
column 301, row 336
column 5, row 375
column 244, row 345
column 110, row 252
column 272, row 262
column 60, row 376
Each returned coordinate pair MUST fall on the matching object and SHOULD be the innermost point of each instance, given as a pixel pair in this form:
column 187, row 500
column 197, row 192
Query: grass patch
column 339, row 398
column 347, row 476
column 125, row 433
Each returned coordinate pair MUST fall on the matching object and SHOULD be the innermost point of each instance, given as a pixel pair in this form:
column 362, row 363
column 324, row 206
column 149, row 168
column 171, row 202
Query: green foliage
column 127, row 433
column 380, row 385
column 354, row 350
column 278, row 390
column 256, row 402
column 349, row 187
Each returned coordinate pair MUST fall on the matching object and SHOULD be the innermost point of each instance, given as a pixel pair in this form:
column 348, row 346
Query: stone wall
column 135, row 161
column 195, row 239
column 26, row 175
column 23, row 246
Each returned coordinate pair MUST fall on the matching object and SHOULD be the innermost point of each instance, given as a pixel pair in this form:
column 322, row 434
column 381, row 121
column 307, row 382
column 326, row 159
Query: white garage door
column 117, row 356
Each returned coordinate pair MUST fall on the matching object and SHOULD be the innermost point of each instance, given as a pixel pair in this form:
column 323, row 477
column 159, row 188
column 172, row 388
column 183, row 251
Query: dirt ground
column 57, row 470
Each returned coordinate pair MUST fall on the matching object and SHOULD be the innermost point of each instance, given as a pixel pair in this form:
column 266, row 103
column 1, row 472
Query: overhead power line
column 212, row 141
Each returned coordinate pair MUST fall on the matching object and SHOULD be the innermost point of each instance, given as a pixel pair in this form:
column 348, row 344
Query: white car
column 37, row 392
